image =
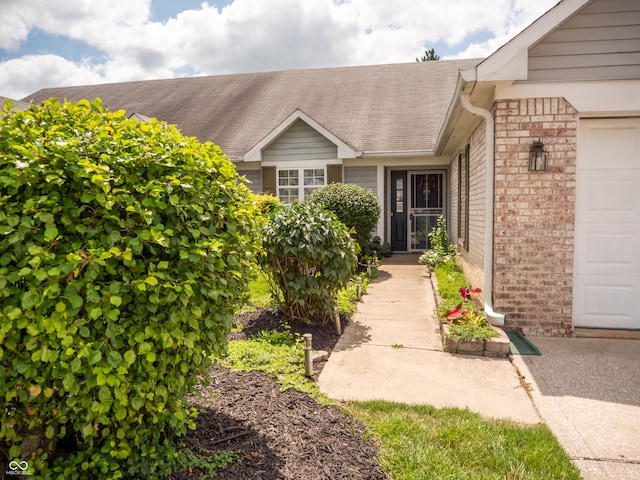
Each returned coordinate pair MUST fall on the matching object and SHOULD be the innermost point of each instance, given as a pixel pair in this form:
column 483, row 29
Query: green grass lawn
column 423, row 442
column 259, row 294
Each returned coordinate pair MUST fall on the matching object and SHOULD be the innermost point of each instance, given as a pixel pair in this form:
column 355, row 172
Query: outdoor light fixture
column 537, row 156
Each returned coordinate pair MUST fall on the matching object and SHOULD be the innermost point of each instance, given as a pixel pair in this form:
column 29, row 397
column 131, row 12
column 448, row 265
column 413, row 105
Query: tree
column 124, row 247
column 429, row 56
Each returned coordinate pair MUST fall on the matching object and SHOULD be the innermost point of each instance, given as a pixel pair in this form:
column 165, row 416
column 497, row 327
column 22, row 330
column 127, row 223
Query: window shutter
column 334, row 174
column 269, row 180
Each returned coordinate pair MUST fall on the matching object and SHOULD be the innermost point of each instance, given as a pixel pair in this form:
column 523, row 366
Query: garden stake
column 308, row 355
column 336, row 317
column 359, row 288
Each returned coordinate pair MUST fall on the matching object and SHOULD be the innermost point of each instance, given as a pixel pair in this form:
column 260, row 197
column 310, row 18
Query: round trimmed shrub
column 357, row 207
column 310, row 255
column 123, row 249
column 266, row 203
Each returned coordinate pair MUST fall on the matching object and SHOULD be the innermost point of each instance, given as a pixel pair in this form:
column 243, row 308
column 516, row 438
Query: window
column 291, row 190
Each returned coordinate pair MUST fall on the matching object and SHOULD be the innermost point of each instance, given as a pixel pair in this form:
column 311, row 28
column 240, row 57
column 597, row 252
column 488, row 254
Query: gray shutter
column 334, row 174
column 269, row 180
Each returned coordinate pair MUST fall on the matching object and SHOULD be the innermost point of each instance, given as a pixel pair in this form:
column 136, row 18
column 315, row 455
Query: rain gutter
column 494, row 318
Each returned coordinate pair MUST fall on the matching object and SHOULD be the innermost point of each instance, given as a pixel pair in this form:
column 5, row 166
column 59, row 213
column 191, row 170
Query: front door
column 417, row 199
column 398, row 211
column 426, row 204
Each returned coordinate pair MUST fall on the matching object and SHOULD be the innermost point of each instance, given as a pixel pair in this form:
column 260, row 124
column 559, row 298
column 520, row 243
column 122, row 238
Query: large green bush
column 357, row 207
column 310, row 256
column 123, row 249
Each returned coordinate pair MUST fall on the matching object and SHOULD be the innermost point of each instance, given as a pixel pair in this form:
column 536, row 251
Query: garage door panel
column 607, row 302
column 611, row 144
column 607, row 242
column 611, row 196
column 607, row 249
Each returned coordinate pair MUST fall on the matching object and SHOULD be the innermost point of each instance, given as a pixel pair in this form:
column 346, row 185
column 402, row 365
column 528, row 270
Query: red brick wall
column 534, row 216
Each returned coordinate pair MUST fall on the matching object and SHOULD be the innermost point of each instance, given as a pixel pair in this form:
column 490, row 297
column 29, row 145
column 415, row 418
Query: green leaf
column 50, row 234
column 76, row 301
column 130, row 357
column 115, row 300
column 151, row 280
column 137, row 403
column 35, row 390
column 29, row 299
column 94, row 357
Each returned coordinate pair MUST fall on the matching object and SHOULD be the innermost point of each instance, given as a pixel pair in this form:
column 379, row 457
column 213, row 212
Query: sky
column 54, row 43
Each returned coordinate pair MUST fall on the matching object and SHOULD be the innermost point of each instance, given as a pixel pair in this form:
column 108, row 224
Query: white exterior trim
column 605, row 96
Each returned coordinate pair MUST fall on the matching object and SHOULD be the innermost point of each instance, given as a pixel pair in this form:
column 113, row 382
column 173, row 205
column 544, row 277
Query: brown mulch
column 278, row 435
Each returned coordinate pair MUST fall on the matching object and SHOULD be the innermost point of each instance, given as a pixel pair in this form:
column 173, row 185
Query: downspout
column 494, row 318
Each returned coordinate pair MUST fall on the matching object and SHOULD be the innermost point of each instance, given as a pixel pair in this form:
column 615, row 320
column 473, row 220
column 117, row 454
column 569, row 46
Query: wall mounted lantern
column 537, row 156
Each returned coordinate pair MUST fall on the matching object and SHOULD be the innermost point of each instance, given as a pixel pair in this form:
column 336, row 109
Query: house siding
column 300, row 142
column 535, row 216
column 254, row 179
column 366, row 177
column 600, row 42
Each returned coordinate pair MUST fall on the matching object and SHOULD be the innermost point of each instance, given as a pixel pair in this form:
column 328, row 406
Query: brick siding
column 535, row 216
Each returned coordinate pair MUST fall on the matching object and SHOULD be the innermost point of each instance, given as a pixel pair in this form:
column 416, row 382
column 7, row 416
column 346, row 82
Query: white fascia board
column 319, row 163
column 255, row 153
column 587, row 97
column 510, row 62
column 400, row 154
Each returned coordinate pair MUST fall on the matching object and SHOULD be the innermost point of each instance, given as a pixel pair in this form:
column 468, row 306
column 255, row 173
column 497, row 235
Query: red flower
column 467, row 293
column 456, row 313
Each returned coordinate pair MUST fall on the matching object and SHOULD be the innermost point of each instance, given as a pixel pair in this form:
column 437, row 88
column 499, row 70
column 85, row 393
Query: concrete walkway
column 586, row 390
column 392, row 351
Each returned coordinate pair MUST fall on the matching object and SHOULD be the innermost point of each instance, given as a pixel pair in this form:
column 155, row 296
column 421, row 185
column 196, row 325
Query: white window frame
column 300, row 186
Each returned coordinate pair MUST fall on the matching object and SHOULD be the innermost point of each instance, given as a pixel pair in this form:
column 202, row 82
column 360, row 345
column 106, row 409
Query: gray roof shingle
column 380, row 108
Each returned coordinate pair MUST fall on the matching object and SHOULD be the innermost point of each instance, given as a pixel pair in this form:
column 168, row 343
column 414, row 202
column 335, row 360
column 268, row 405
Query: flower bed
column 464, row 328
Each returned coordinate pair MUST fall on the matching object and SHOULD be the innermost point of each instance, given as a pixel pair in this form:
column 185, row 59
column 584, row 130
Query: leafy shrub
column 310, row 256
column 357, row 207
column 266, row 203
column 381, row 249
column 123, row 249
column 441, row 251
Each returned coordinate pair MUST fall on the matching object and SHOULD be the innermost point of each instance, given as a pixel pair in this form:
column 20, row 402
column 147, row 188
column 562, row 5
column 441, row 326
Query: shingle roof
column 381, row 108
column 17, row 104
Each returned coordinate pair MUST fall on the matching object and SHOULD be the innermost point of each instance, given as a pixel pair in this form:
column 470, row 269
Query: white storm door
column 607, row 243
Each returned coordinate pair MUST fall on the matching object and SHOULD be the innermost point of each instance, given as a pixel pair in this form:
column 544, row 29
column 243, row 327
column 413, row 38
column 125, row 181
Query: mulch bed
column 278, row 435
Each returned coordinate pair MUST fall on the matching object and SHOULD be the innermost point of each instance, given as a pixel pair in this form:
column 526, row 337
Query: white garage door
column 607, row 244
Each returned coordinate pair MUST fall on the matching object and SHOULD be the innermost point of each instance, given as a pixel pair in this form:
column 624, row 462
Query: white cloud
column 246, row 36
